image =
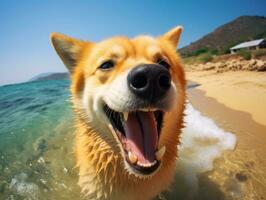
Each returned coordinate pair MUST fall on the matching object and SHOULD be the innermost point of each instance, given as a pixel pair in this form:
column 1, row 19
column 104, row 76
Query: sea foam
column 202, row 141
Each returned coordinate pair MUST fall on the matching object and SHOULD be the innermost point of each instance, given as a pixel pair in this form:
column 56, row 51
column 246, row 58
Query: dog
column 128, row 97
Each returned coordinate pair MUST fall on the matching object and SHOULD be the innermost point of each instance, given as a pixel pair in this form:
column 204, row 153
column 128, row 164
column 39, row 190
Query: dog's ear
column 69, row 49
column 173, row 35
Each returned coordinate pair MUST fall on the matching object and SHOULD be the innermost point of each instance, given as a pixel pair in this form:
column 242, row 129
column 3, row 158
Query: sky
column 26, row 25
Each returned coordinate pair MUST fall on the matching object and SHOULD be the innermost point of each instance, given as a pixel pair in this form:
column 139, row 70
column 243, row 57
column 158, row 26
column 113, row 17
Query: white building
column 254, row 44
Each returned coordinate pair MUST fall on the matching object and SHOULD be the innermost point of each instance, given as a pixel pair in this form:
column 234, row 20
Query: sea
column 37, row 159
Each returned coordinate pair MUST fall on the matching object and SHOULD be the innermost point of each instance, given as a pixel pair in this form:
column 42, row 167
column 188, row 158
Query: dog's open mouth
column 138, row 132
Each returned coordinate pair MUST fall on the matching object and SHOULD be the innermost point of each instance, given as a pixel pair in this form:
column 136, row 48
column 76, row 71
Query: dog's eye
column 164, row 63
column 109, row 64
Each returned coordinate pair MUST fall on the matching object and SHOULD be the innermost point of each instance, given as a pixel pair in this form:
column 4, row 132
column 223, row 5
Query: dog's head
column 123, row 89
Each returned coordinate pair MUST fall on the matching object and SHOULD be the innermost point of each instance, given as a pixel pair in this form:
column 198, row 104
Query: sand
column 244, row 91
column 237, row 103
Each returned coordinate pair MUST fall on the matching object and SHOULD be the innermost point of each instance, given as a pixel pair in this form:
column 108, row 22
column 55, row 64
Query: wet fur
column 103, row 173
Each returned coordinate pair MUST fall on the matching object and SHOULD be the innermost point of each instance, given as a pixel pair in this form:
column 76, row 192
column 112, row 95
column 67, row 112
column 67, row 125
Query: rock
column 232, row 65
column 252, row 67
column 40, row 145
column 253, row 62
column 220, row 70
column 41, row 160
column 65, row 170
column 43, row 181
column 20, row 185
column 245, row 67
column 208, row 67
column 222, row 65
column 261, row 68
column 260, row 63
column 239, row 66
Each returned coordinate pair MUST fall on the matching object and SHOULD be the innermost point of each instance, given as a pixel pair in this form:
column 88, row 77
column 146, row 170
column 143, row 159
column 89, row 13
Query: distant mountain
column 243, row 28
column 51, row 76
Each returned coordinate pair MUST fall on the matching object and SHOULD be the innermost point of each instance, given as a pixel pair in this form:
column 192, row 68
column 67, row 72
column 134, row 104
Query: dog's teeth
column 111, row 129
column 133, row 158
column 154, row 162
column 145, row 109
column 147, row 164
column 148, row 109
column 160, row 153
column 125, row 115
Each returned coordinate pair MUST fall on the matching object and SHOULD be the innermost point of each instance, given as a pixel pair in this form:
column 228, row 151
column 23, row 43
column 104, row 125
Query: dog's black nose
column 149, row 81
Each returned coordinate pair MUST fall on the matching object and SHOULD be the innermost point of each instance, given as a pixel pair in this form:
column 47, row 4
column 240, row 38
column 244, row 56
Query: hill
column 243, row 28
column 51, row 76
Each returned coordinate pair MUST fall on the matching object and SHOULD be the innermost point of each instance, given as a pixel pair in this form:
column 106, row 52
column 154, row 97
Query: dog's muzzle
column 137, row 120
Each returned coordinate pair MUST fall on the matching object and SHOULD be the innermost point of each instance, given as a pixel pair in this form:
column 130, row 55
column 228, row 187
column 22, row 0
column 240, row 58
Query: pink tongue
column 141, row 136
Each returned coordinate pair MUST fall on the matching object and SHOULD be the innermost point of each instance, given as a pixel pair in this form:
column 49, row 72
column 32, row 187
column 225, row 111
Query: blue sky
column 25, row 26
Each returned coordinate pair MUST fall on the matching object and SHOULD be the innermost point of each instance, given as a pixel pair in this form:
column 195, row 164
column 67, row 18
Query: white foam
column 22, row 187
column 201, row 143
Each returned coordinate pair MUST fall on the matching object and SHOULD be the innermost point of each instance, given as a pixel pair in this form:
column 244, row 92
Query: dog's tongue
column 141, row 136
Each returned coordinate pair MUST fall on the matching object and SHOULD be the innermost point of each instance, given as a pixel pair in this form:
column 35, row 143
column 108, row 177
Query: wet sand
column 237, row 103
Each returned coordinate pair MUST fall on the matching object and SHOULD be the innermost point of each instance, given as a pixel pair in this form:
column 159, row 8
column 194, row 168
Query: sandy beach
column 237, row 103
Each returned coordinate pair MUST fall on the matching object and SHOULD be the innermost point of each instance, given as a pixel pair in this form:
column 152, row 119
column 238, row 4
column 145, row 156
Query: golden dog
column 128, row 97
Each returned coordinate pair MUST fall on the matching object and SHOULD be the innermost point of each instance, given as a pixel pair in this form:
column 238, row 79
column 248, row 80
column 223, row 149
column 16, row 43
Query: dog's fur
column 103, row 172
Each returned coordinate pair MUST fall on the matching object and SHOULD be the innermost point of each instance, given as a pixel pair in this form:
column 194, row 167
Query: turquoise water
column 36, row 142
column 37, row 139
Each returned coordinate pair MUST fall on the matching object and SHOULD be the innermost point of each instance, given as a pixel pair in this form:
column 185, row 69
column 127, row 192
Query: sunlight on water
column 36, row 144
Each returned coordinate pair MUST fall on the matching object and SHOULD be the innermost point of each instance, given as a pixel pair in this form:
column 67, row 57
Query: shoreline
column 239, row 174
column 240, row 90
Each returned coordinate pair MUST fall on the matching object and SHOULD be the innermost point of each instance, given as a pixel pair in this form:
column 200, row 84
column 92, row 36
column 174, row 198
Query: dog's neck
column 97, row 164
